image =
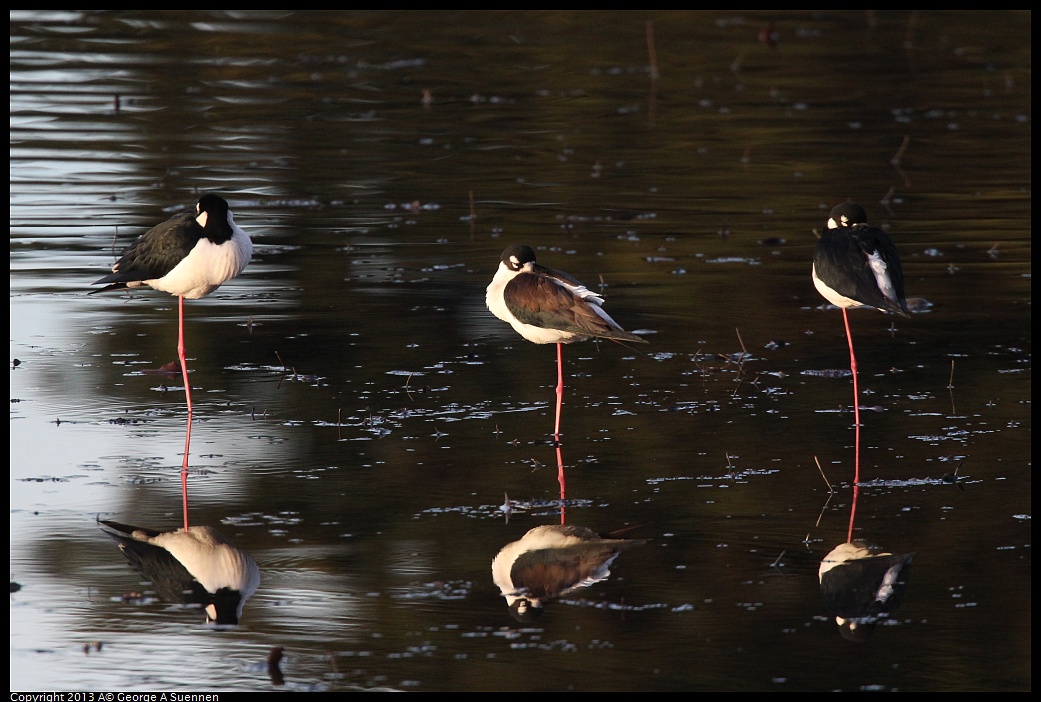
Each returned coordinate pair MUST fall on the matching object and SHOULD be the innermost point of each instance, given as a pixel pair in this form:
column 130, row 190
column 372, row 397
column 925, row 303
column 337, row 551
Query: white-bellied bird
column 857, row 265
column 189, row 255
column 548, row 306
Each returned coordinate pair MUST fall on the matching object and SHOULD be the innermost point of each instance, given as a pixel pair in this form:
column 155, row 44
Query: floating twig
column 886, row 201
column 407, row 392
column 826, row 481
column 898, row 158
column 909, row 36
column 651, row 51
column 821, row 515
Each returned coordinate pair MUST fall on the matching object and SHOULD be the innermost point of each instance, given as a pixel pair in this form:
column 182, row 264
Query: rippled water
column 362, row 420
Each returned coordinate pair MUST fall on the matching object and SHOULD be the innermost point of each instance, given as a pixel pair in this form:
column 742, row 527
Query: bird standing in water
column 547, row 306
column 190, row 256
column 857, row 265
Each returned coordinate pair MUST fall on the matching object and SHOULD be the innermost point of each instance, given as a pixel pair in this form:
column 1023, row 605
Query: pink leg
column 188, row 397
column 560, row 479
column 856, row 397
column 853, row 512
column 560, row 390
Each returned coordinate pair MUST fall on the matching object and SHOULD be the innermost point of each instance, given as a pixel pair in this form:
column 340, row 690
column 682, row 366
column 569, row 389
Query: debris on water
column 918, row 305
column 536, row 508
column 829, row 373
column 736, row 357
column 171, row 368
column 914, row 482
column 125, row 420
column 437, row 590
column 734, row 259
column 507, row 507
column 273, row 669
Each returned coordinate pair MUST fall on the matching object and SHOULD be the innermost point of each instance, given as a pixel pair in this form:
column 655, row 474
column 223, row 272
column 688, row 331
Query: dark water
column 360, row 416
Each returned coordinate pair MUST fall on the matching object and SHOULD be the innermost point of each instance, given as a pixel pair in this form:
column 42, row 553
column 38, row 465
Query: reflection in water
column 857, row 265
column 548, row 306
column 551, row 561
column 562, row 482
column 861, row 584
column 190, row 256
column 274, row 670
column 194, row 566
column 687, row 201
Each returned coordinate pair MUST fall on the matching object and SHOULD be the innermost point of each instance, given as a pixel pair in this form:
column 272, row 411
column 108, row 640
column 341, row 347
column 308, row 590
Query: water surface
column 361, row 418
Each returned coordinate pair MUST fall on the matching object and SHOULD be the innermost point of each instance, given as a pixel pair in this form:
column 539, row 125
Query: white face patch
column 202, row 218
column 832, row 224
column 514, row 263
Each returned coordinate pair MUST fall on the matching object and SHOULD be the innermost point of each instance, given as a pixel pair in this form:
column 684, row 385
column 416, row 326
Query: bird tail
column 109, row 288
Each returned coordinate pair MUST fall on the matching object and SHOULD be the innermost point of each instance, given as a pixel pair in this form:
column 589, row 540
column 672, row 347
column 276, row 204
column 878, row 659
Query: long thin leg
column 853, row 512
column 188, row 397
column 560, row 479
column 560, row 390
column 856, row 398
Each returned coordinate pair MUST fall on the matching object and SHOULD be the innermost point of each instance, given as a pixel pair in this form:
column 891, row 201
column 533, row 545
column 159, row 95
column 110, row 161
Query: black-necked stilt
column 860, row 582
column 547, row 306
column 552, row 561
column 190, row 256
column 857, row 265
column 193, row 566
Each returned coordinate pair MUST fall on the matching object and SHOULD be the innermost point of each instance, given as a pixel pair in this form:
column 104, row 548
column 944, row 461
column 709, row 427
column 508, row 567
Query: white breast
column 207, row 266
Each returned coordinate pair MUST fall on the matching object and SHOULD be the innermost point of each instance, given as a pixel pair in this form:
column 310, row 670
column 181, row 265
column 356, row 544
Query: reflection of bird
column 551, row 561
column 860, row 582
column 199, row 566
column 547, row 306
column 189, row 255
